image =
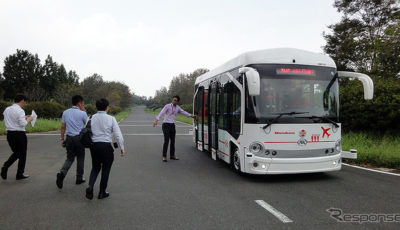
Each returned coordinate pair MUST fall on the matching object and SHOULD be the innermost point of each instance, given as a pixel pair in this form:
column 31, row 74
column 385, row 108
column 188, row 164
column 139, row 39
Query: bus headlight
column 338, row 146
column 256, row 148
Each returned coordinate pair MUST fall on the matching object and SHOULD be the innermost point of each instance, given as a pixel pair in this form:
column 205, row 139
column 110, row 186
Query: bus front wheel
column 236, row 161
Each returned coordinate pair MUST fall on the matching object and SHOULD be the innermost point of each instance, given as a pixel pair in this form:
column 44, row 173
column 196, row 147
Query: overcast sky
column 146, row 43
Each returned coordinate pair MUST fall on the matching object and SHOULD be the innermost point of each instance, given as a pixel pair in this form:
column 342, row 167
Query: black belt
column 14, row 131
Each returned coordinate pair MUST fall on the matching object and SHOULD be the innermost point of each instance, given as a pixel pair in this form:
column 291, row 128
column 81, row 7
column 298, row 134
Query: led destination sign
column 290, row 71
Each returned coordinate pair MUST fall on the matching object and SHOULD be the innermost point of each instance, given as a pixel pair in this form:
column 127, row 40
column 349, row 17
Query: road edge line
column 372, row 170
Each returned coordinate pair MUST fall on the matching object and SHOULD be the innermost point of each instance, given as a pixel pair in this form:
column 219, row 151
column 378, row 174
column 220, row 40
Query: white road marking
column 372, row 170
column 153, row 134
column 150, row 121
column 184, row 123
column 273, row 211
column 151, row 125
column 127, row 134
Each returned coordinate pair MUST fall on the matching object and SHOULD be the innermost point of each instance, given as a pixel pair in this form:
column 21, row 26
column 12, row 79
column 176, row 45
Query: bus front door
column 199, row 123
column 214, row 120
column 206, row 116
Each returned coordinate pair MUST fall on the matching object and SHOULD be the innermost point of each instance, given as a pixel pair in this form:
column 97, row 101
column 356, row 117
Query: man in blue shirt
column 73, row 120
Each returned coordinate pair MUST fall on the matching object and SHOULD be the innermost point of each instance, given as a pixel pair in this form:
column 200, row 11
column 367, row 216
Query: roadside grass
column 180, row 117
column 41, row 125
column 121, row 115
column 373, row 150
column 44, row 125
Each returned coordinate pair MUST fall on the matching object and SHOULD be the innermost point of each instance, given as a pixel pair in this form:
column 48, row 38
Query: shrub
column 90, row 109
column 114, row 110
column 45, row 109
column 3, row 106
column 187, row 107
column 377, row 115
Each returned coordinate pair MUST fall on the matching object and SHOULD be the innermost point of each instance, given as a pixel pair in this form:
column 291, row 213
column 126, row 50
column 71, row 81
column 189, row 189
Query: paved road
column 192, row 193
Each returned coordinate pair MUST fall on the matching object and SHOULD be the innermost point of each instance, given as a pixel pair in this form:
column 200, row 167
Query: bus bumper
column 260, row 165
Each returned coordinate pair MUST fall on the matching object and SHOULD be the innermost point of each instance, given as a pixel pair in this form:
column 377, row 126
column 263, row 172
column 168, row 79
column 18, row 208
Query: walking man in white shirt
column 104, row 127
column 15, row 121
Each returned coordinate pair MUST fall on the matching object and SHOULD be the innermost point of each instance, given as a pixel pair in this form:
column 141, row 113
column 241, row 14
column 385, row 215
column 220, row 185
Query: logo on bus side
column 302, row 141
column 325, row 132
column 302, row 133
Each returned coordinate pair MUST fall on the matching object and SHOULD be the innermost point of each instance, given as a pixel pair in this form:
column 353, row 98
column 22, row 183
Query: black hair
column 76, row 99
column 19, row 98
column 177, row 97
column 102, row 104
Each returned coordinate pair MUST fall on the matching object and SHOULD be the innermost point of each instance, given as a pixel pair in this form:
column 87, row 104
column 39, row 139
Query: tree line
column 24, row 72
column 181, row 85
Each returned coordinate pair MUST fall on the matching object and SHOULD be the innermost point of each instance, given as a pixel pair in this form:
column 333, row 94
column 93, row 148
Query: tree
column 62, row 74
column 21, row 73
column 183, row 85
column 72, row 78
column 50, row 79
column 1, row 86
column 90, row 86
column 366, row 37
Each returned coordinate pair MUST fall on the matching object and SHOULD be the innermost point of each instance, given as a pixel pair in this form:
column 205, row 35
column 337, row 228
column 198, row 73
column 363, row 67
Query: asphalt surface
column 192, row 193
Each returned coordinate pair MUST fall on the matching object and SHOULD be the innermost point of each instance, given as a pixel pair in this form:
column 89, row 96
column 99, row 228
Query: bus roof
column 271, row 56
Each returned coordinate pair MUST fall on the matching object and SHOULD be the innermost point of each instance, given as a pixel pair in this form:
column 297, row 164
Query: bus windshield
column 303, row 92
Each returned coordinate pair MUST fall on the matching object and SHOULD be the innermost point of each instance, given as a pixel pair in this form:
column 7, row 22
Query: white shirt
column 14, row 118
column 104, row 127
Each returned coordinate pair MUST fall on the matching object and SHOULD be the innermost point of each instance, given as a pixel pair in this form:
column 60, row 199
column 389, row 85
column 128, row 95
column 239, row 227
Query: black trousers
column 74, row 149
column 102, row 159
column 169, row 134
column 18, row 144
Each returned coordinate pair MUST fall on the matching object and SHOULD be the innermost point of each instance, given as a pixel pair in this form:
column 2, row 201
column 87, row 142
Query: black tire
column 235, row 160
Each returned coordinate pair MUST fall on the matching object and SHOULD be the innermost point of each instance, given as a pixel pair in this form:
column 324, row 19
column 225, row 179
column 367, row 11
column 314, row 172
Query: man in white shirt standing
column 15, row 121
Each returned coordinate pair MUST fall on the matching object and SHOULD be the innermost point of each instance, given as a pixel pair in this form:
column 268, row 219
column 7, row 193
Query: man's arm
column 63, row 128
column 118, row 135
column 22, row 119
column 180, row 110
column 163, row 111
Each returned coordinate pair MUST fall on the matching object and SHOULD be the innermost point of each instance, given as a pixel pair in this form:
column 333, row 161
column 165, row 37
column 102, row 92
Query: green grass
column 379, row 151
column 44, row 125
column 41, row 125
column 123, row 114
column 180, row 117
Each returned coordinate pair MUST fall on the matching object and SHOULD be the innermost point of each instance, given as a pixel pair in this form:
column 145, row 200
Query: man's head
column 175, row 100
column 77, row 100
column 20, row 99
column 102, row 104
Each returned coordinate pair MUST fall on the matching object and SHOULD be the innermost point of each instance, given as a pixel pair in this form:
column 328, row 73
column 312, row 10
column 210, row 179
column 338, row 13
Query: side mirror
column 253, row 80
column 367, row 82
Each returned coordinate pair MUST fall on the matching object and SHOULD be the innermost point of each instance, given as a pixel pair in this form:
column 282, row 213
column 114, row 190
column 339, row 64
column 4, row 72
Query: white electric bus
column 273, row 111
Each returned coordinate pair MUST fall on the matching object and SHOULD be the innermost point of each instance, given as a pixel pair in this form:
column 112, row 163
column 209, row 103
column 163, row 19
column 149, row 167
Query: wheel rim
column 236, row 160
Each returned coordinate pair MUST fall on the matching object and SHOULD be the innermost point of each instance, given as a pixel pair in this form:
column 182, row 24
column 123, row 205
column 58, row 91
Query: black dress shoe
column 4, row 173
column 60, row 179
column 103, row 195
column 80, row 181
column 89, row 193
column 21, row 177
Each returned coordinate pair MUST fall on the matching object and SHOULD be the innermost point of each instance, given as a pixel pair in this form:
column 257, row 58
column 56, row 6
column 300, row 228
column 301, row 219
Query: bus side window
column 227, row 107
column 236, row 111
column 221, row 108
